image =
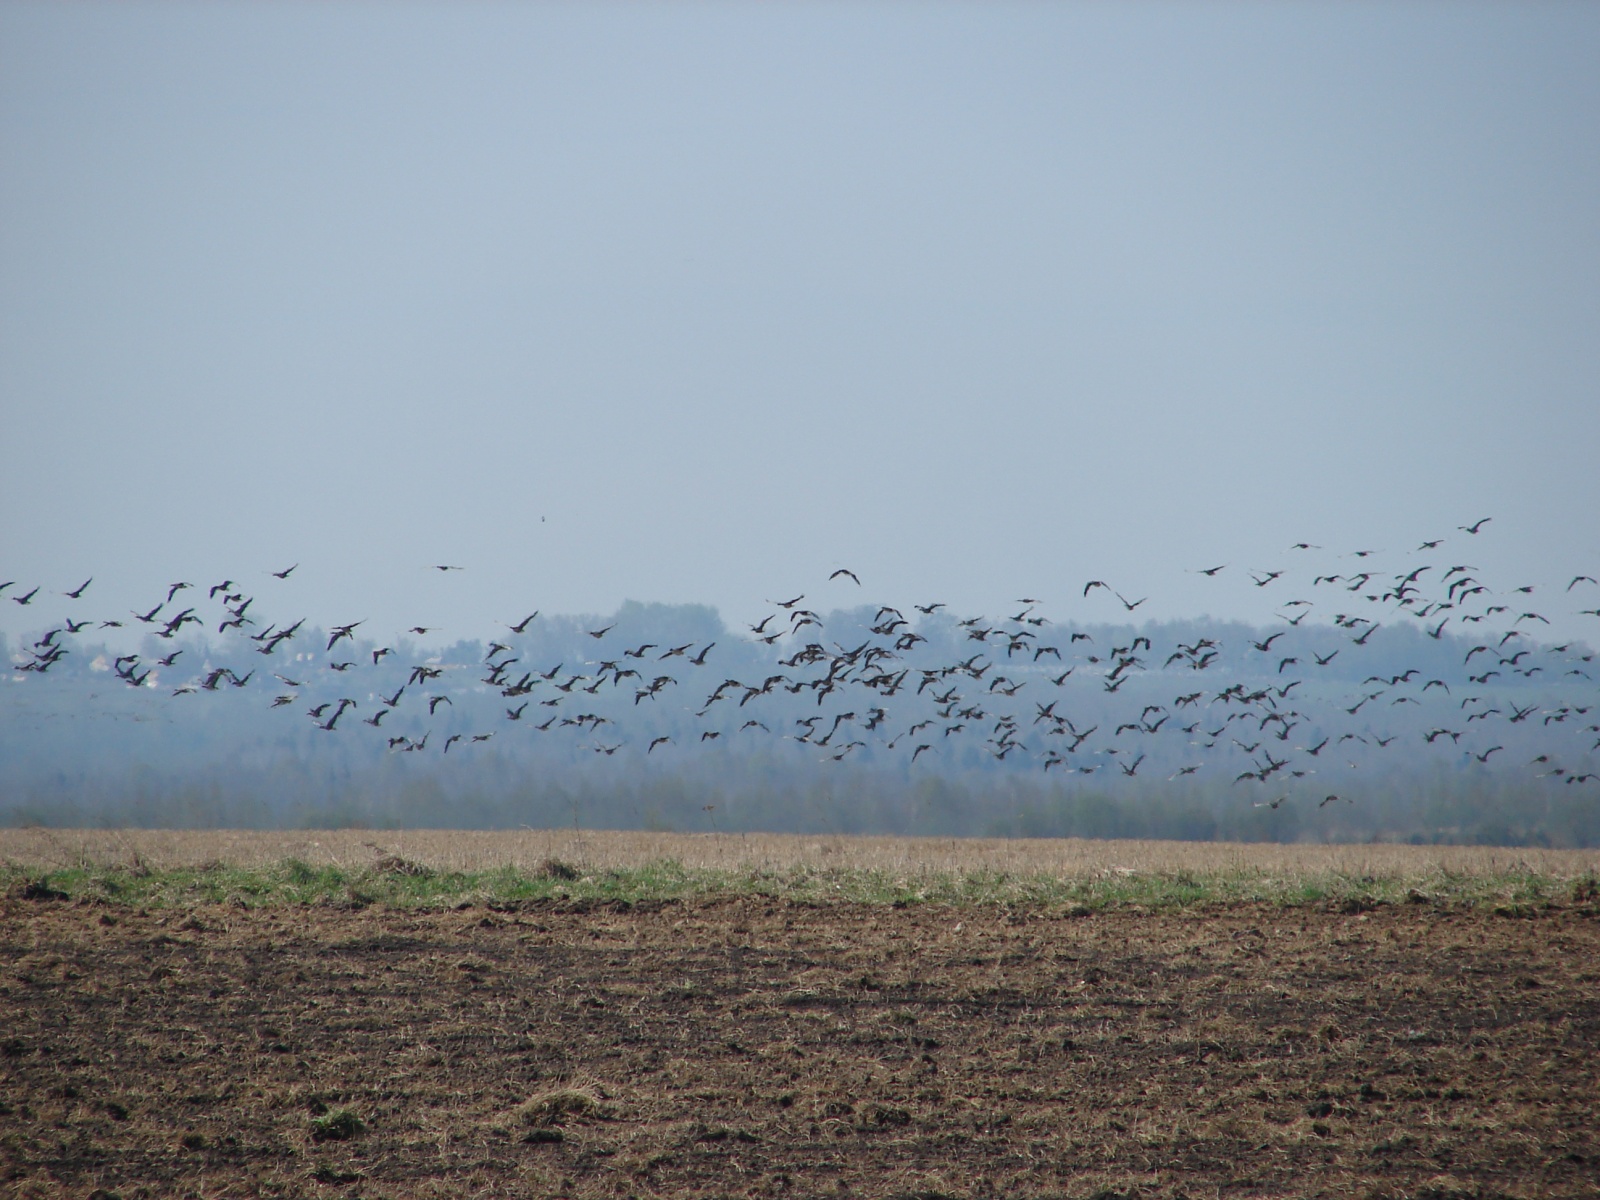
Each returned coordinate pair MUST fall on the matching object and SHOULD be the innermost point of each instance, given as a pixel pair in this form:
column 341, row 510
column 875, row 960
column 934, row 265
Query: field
column 582, row 1014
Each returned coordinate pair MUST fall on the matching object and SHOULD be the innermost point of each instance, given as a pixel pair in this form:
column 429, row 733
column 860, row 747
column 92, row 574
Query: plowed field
column 757, row 1047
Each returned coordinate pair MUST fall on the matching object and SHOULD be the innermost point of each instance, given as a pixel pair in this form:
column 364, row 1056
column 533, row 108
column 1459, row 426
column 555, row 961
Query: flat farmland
column 537, row 1014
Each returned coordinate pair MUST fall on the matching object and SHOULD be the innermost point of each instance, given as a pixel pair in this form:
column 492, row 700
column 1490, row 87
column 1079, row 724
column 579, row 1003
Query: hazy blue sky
column 700, row 302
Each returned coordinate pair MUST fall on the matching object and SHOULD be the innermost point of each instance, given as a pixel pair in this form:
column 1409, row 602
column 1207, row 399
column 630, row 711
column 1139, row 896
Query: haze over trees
column 861, row 720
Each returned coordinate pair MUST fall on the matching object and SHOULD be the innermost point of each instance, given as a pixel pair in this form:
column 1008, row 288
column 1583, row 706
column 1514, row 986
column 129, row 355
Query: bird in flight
column 343, row 631
column 1476, row 525
column 285, row 573
column 845, row 571
column 600, row 633
column 78, row 592
column 441, row 567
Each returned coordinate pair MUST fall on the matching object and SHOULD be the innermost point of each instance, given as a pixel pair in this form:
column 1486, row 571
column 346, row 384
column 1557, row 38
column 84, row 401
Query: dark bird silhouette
column 77, row 593
column 845, row 571
column 1130, row 605
column 600, row 633
column 285, row 573
column 522, row 627
column 343, row 631
column 28, row 599
column 1475, row 526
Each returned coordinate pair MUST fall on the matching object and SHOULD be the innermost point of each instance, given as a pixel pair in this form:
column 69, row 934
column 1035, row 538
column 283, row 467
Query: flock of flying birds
column 936, row 687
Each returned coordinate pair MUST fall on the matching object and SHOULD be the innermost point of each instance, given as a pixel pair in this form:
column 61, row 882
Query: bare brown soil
column 753, row 1047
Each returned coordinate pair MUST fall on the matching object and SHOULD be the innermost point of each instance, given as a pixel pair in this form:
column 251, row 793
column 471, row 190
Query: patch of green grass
column 292, row 882
column 340, row 1125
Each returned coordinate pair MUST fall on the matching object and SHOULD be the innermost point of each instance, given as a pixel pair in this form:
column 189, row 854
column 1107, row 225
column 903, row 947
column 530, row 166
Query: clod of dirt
column 886, row 1116
column 1356, row 904
column 37, row 889
column 326, row 1174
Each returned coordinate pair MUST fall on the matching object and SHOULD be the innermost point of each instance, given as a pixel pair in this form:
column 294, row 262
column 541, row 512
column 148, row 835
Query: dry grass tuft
column 556, row 852
column 554, row 868
column 556, row 1106
column 393, row 864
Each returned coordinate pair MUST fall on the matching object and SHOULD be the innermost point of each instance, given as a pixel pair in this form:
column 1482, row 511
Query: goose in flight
column 343, row 631
column 845, row 571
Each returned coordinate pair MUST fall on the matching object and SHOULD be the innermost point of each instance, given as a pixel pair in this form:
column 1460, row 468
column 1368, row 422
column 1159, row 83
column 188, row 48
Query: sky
column 702, row 302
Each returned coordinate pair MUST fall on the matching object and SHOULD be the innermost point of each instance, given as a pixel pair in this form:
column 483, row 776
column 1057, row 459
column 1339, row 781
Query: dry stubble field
column 750, row 1043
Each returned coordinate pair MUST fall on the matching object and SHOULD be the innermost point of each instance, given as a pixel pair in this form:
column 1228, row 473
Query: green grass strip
column 400, row 884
